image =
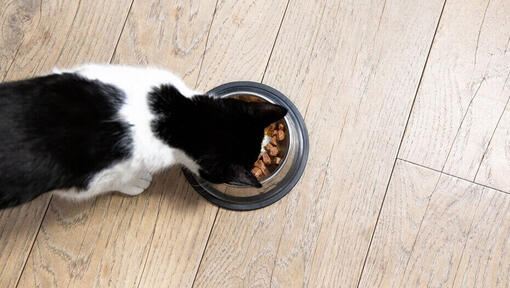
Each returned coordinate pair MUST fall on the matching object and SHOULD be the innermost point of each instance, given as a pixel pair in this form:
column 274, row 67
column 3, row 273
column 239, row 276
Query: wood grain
column 168, row 34
column 443, row 234
column 352, row 68
column 17, row 19
column 240, row 41
column 404, row 207
column 43, row 42
column 461, row 96
column 18, row 229
column 495, row 167
column 486, row 258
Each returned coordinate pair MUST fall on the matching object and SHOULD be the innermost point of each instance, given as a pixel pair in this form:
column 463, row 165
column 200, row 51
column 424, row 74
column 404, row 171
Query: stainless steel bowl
column 283, row 178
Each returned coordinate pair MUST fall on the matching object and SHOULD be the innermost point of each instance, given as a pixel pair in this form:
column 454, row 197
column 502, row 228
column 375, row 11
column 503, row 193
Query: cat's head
column 222, row 135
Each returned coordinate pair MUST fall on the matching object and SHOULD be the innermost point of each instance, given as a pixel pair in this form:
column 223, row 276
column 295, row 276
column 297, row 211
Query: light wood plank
column 461, row 96
column 115, row 232
column 18, row 229
column 240, row 41
column 404, row 207
column 168, row 34
column 486, row 258
column 495, row 168
column 443, row 234
column 18, row 19
column 353, row 69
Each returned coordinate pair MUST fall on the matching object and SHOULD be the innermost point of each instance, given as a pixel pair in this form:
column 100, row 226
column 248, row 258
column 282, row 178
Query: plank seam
column 462, row 122
column 69, row 31
column 206, row 43
column 400, row 146
column 205, row 247
column 161, row 197
column 275, row 39
column 467, row 236
column 33, row 242
column 455, row 176
column 121, row 31
column 495, row 128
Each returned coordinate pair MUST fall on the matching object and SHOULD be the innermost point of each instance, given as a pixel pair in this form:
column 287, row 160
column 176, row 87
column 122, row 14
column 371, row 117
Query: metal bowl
column 282, row 178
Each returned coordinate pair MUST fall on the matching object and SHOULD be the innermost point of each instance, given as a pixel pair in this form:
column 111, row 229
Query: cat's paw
column 137, row 185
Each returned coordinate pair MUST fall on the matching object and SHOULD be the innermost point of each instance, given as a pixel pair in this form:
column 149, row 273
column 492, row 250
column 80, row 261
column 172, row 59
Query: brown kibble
column 256, row 172
column 277, row 160
column 265, row 171
column 273, row 141
column 266, row 159
column 268, row 147
column 259, row 164
column 275, row 132
column 281, row 135
column 273, row 151
column 280, row 126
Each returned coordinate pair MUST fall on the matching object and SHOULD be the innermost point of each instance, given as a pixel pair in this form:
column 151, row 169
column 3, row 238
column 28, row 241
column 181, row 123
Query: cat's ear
column 241, row 175
column 266, row 113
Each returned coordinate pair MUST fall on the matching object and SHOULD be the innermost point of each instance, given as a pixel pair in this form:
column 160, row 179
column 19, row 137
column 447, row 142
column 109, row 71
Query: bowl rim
column 265, row 199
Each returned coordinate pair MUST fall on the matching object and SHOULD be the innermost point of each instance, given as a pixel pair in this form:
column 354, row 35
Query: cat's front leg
column 136, row 185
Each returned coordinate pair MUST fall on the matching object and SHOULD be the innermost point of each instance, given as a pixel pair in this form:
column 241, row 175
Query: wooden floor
column 408, row 178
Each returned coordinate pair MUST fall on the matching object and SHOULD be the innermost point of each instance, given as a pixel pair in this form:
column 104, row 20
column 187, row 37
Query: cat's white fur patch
column 149, row 154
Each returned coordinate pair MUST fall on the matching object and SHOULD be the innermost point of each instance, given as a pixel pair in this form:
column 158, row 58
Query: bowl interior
column 283, row 146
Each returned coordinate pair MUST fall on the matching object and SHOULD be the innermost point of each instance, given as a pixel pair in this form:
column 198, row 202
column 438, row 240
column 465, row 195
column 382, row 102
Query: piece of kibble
column 280, row 126
column 273, row 141
column 273, row 151
column 265, row 171
column 281, row 135
column 259, row 164
column 275, row 132
column 266, row 159
column 268, row 146
column 256, row 172
column 277, row 160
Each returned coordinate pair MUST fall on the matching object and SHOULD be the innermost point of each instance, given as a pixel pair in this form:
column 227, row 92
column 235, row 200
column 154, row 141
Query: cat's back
column 56, row 132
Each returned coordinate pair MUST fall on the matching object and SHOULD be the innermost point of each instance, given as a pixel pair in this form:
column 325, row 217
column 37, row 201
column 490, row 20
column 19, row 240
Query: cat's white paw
column 137, row 185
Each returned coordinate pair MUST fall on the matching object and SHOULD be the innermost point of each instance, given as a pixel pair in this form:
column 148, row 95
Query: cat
column 97, row 128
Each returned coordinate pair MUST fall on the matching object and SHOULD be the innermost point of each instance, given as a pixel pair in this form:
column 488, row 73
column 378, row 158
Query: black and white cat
column 100, row 128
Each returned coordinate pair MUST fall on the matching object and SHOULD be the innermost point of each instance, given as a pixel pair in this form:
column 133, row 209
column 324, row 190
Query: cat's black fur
column 222, row 135
column 56, row 132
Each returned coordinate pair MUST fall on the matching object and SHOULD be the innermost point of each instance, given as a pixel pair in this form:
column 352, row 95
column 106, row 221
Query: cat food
column 270, row 156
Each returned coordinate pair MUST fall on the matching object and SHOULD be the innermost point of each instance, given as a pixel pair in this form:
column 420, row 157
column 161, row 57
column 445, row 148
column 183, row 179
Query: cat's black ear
column 266, row 113
column 241, row 175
